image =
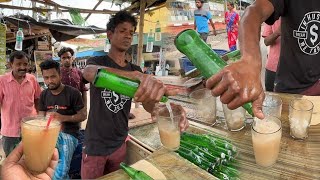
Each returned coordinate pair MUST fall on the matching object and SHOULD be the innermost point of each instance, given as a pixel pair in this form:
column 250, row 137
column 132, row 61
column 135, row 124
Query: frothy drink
column 170, row 137
column 266, row 137
column 39, row 143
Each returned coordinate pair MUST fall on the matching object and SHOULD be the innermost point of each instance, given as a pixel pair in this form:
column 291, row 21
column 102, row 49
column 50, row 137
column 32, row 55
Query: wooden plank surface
column 142, row 117
column 171, row 165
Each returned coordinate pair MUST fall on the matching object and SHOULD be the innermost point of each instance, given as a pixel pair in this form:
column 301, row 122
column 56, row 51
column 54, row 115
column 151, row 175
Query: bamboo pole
column 95, row 7
column 4, row 6
column 140, row 37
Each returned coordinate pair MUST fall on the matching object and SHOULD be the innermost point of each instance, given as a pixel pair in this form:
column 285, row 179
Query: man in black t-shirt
column 107, row 126
column 298, row 70
column 62, row 101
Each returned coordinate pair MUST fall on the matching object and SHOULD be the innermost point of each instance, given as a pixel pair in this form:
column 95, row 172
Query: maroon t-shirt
column 73, row 78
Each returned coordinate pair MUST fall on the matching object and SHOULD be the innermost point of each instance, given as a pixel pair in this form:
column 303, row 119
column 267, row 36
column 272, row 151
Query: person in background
column 107, row 128
column 19, row 98
column 271, row 35
column 65, row 104
column 232, row 19
column 70, row 75
column 14, row 166
column 201, row 18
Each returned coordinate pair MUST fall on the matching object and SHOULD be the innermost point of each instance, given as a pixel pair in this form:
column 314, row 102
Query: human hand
column 14, row 166
column 151, row 89
column 184, row 123
column 239, row 83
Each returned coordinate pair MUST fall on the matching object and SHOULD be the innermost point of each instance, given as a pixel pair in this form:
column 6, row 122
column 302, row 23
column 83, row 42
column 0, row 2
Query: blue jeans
column 9, row 143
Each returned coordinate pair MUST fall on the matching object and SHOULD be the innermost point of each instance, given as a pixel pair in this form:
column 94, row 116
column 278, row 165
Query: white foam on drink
column 265, row 126
column 39, row 124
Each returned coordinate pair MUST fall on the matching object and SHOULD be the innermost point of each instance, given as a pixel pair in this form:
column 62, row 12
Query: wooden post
column 140, row 37
column 34, row 13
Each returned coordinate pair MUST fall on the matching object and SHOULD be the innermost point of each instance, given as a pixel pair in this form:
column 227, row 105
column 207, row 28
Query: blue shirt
column 201, row 19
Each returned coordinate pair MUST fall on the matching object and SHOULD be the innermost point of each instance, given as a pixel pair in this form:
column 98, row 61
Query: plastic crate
column 221, row 52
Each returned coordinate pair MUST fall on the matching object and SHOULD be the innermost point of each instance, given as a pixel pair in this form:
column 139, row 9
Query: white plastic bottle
column 19, row 40
column 150, row 39
column 157, row 32
column 107, row 45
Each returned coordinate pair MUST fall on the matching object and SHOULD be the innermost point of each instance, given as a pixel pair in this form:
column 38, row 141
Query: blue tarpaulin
column 85, row 54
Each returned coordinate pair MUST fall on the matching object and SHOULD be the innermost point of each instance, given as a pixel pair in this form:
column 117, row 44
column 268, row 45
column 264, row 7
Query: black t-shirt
column 107, row 126
column 68, row 102
column 299, row 65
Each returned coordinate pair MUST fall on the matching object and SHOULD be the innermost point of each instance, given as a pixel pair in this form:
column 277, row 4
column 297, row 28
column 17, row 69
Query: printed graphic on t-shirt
column 56, row 107
column 308, row 33
column 114, row 101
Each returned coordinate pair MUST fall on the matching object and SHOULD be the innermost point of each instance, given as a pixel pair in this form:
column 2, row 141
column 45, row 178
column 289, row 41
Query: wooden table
column 297, row 159
column 171, row 165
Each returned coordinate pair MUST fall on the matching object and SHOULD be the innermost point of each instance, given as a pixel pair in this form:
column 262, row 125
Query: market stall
column 297, row 159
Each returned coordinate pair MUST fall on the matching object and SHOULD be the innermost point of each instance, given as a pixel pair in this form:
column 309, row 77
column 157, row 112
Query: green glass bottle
column 232, row 56
column 118, row 84
column 202, row 56
column 135, row 174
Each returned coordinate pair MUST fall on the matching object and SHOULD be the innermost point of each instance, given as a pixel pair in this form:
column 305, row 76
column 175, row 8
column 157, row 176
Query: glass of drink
column 168, row 125
column 235, row 119
column 266, row 137
column 300, row 114
column 38, row 142
column 272, row 105
column 205, row 105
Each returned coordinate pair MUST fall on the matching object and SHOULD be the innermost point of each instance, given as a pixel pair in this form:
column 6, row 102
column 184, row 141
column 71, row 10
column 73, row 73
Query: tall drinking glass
column 168, row 126
column 205, row 105
column 266, row 138
column 300, row 114
column 38, row 142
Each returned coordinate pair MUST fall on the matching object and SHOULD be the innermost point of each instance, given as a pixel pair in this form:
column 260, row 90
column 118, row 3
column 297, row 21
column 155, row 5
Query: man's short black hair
column 121, row 17
column 64, row 50
column 18, row 55
column 50, row 64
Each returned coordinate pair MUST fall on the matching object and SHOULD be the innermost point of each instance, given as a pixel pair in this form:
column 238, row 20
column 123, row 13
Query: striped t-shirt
column 201, row 19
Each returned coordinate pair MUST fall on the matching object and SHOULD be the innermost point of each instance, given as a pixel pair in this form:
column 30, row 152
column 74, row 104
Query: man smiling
column 19, row 97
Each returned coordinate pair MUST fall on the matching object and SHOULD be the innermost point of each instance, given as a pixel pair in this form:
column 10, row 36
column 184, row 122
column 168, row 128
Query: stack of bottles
column 212, row 153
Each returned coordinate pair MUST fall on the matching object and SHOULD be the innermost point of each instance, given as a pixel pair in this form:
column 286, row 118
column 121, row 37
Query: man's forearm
column 84, row 98
column 271, row 39
column 249, row 31
column 212, row 24
column 36, row 104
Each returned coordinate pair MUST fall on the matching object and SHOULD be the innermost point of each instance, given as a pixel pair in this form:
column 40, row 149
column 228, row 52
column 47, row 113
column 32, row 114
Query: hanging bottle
column 19, row 40
column 135, row 174
column 107, row 45
column 157, row 34
column 207, row 61
column 150, row 39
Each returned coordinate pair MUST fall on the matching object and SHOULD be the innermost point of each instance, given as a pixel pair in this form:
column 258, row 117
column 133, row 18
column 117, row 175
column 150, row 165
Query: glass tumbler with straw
column 39, row 140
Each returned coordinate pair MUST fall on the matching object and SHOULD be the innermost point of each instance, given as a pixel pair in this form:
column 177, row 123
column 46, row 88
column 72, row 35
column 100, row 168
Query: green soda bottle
column 118, row 84
column 135, row 174
column 202, row 56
